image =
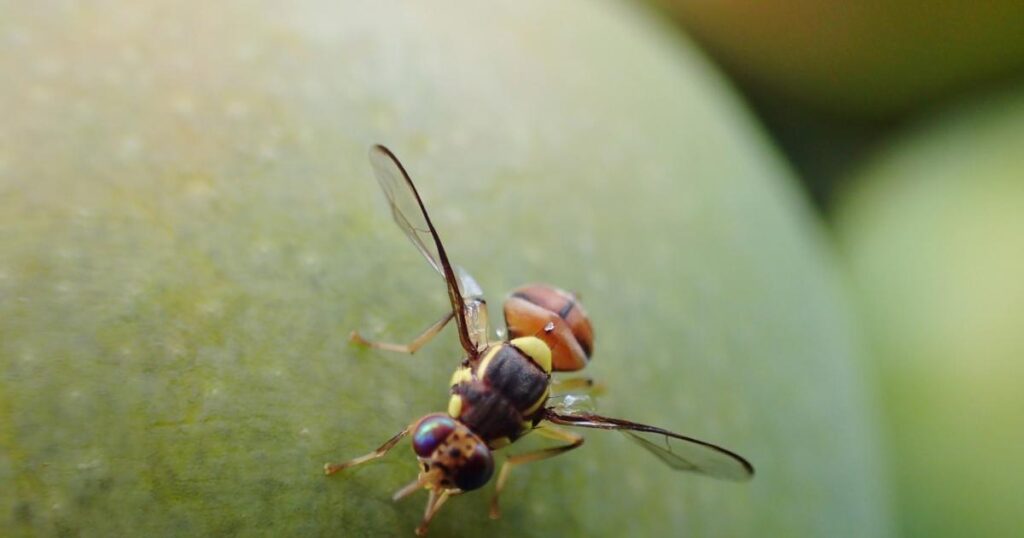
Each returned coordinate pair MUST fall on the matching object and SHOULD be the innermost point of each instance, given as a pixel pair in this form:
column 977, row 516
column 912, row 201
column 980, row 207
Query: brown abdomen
column 531, row 308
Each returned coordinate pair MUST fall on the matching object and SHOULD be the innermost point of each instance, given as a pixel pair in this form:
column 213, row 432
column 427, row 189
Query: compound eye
column 476, row 469
column 430, row 433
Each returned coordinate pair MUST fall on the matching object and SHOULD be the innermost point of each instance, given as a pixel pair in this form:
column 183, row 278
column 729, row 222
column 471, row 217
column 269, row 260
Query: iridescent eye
column 476, row 469
column 430, row 433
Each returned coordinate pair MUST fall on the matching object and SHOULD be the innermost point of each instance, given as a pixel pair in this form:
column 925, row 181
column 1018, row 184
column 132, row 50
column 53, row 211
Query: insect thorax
column 500, row 396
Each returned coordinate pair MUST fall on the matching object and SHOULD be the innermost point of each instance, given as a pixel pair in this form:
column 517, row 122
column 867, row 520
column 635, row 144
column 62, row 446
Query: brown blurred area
column 832, row 79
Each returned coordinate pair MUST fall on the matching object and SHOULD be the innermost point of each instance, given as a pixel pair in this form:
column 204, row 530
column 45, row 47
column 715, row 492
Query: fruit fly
column 502, row 390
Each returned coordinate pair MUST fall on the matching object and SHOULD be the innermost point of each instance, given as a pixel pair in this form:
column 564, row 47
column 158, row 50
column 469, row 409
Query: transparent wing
column 467, row 284
column 411, row 216
column 405, row 204
column 570, row 403
column 474, row 308
column 677, row 451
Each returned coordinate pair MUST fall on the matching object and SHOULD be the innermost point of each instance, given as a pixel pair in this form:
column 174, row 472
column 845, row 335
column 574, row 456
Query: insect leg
column 434, row 504
column 409, row 348
column 585, row 385
column 331, row 468
column 572, row 440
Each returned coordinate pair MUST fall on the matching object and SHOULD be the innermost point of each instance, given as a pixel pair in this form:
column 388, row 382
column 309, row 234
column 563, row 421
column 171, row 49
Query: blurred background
column 834, row 81
column 905, row 123
column 816, row 206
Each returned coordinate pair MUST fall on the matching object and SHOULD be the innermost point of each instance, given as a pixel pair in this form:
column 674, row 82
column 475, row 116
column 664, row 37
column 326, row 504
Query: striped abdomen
column 554, row 316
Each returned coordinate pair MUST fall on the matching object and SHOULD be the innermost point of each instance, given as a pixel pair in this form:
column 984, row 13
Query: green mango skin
column 191, row 229
column 932, row 229
column 863, row 60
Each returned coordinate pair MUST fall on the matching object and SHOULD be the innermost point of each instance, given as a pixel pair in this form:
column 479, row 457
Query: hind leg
column 572, row 441
column 410, row 348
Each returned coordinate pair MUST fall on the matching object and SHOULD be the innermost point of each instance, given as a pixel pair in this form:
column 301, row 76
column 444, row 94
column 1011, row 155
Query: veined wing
column 677, row 451
column 411, row 216
column 474, row 308
column 406, row 208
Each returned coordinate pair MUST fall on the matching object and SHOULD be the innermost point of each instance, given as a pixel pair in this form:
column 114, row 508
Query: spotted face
column 451, row 456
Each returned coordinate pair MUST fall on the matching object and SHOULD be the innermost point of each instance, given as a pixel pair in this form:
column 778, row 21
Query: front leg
column 434, row 504
column 331, row 468
column 572, row 440
column 409, row 348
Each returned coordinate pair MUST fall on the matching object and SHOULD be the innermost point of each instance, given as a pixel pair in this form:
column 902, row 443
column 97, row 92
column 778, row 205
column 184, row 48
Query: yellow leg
column 434, row 504
column 573, row 440
column 409, row 348
column 331, row 468
column 584, row 385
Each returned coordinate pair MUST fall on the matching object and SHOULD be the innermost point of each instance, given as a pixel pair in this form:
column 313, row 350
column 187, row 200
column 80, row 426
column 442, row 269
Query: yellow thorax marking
column 482, row 369
column 460, row 375
column 536, row 349
column 455, row 406
column 536, row 405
